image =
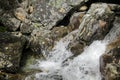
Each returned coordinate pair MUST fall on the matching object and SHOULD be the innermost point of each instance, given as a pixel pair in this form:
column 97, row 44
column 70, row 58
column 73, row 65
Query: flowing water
column 83, row 67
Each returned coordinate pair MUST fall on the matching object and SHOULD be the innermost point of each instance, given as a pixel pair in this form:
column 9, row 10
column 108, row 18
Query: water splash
column 82, row 67
column 86, row 65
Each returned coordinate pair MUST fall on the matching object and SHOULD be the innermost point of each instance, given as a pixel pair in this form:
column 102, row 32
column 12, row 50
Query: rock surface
column 115, row 31
column 49, row 12
column 110, row 61
column 45, row 39
column 94, row 25
column 10, row 51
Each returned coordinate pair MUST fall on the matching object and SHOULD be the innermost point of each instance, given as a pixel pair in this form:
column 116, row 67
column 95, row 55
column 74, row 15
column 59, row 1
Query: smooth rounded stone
column 49, row 12
column 77, row 49
column 83, row 8
column 110, row 61
column 11, row 46
column 96, row 23
column 20, row 14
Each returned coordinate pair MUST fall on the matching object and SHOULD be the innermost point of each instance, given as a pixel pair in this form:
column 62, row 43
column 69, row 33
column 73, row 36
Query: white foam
column 86, row 65
column 82, row 67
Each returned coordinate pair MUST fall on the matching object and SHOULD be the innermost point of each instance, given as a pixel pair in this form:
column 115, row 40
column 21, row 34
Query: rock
column 96, row 23
column 8, row 76
column 45, row 39
column 30, row 9
column 49, row 12
column 26, row 28
column 75, row 20
column 20, row 14
column 77, row 49
column 92, row 26
column 9, row 21
column 2, row 28
column 59, row 32
column 83, row 8
column 110, row 61
column 114, row 7
column 29, row 61
column 9, row 5
column 11, row 51
column 115, row 31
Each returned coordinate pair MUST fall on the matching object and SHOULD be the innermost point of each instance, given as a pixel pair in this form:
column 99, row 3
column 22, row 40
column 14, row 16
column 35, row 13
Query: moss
column 3, row 29
column 36, row 25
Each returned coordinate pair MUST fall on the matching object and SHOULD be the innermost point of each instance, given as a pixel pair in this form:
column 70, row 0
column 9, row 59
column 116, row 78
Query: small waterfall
column 82, row 67
column 86, row 65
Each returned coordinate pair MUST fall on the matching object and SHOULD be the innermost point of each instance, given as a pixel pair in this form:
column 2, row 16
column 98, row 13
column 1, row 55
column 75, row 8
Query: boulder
column 96, row 23
column 50, row 12
column 11, row 46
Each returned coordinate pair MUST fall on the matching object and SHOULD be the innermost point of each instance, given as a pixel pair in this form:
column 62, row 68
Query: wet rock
column 110, row 61
column 29, row 60
column 10, row 51
column 77, row 49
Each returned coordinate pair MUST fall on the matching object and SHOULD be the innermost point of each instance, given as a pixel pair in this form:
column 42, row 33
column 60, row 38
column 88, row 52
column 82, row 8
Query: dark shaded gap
column 2, row 28
column 65, row 21
column 105, row 1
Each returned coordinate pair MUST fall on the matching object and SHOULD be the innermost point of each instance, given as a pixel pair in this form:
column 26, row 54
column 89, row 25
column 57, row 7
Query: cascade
column 82, row 67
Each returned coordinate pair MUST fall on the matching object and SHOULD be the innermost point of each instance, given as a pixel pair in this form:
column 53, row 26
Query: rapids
column 83, row 67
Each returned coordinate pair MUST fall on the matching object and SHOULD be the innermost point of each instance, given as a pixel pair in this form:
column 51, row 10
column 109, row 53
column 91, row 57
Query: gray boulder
column 49, row 12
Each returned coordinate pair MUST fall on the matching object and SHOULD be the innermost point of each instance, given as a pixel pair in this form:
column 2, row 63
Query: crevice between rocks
column 66, row 20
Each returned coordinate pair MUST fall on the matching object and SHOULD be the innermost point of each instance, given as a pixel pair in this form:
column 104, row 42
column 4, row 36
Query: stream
column 83, row 67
